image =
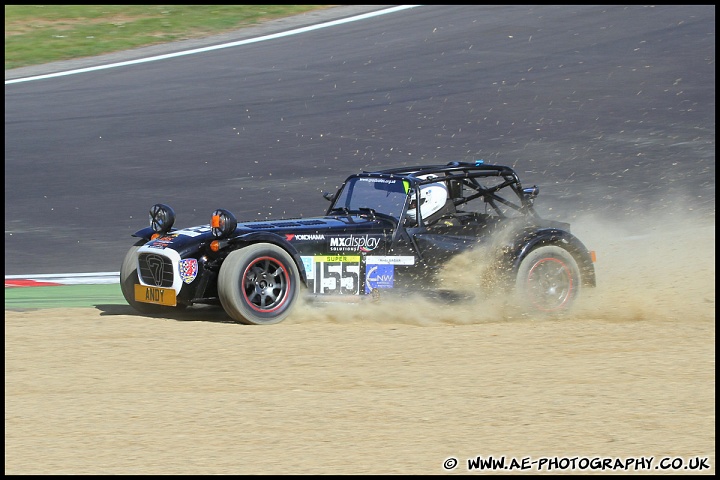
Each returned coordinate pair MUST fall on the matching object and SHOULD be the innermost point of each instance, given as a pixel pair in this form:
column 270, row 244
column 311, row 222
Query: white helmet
column 433, row 198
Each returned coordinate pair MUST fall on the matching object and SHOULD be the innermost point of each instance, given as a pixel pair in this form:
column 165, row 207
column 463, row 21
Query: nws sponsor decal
column 188, row 269
column 301, row 236
column 379, row 276
column 354, row 243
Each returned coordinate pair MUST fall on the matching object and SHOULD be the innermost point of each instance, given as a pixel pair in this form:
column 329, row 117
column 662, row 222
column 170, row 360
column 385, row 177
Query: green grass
column 22, row 298
column 36, row 34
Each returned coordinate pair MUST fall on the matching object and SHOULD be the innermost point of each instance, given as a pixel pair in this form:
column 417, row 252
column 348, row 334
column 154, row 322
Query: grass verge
column 37, row 34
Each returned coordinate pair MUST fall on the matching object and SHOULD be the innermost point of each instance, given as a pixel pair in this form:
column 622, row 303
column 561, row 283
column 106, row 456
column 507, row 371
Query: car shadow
column 200, row 313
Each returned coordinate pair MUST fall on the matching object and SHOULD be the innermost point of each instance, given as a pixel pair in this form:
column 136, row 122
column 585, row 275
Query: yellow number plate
column 158, row 296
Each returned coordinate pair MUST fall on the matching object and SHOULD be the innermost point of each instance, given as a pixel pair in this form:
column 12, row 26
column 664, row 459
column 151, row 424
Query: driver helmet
column 433, row 197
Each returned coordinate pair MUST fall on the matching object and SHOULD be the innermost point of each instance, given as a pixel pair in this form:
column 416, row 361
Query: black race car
column 384, row 231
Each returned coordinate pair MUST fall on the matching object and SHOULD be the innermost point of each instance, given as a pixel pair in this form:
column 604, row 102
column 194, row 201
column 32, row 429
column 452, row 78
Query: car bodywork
column 364, row 244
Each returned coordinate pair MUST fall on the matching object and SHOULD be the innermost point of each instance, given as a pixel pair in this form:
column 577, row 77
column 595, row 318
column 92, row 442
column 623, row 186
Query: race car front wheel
column 548, row 280
column 258, row 284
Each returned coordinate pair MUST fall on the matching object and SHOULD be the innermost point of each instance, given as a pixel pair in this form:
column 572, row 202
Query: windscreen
column 384, row 195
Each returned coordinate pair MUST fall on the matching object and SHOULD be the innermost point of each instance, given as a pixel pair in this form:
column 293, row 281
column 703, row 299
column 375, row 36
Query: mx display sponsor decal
column 188, row 269
column 379, row 276
column 354, row 243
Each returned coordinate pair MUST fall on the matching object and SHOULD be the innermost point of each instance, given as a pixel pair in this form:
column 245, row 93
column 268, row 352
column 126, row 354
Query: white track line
column 96, row 278
column 216, row 47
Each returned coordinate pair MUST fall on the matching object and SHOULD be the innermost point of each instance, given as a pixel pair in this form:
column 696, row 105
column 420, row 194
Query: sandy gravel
column 380, row 388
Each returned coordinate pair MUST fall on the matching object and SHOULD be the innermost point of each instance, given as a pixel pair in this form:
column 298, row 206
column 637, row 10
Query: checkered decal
column 188, row 269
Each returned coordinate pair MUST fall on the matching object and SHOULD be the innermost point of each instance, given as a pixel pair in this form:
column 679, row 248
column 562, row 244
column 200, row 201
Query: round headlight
column 162, row 218
column 223, row 223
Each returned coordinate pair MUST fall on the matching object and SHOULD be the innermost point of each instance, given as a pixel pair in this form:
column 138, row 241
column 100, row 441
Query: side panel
column 350, row 263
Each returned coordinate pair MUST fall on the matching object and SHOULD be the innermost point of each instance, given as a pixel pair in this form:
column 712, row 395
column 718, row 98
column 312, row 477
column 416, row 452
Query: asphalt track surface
column 606, row 108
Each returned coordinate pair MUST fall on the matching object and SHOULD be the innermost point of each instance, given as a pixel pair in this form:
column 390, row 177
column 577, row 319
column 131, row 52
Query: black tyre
column 548, row 280
column 258, row 284
column 128, row 279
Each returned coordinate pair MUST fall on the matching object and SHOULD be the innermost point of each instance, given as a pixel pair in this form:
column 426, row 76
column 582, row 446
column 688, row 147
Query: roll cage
column 463, row 179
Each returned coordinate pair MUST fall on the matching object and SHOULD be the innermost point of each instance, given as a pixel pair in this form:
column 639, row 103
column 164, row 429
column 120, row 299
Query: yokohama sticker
column 299, row 236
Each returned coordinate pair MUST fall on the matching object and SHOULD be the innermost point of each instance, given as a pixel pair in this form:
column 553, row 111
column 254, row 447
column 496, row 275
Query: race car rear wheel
column 258, row 284
column 548, row 280
column 128, row 279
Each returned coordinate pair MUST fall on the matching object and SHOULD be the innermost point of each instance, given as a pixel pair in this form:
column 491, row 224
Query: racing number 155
column 337, row 277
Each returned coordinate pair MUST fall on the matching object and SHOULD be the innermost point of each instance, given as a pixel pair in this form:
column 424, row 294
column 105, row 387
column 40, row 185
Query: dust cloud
column 651, row 265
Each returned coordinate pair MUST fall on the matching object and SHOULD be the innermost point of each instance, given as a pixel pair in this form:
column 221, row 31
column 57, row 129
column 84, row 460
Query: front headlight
column 162, row 218
column 223, row 223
